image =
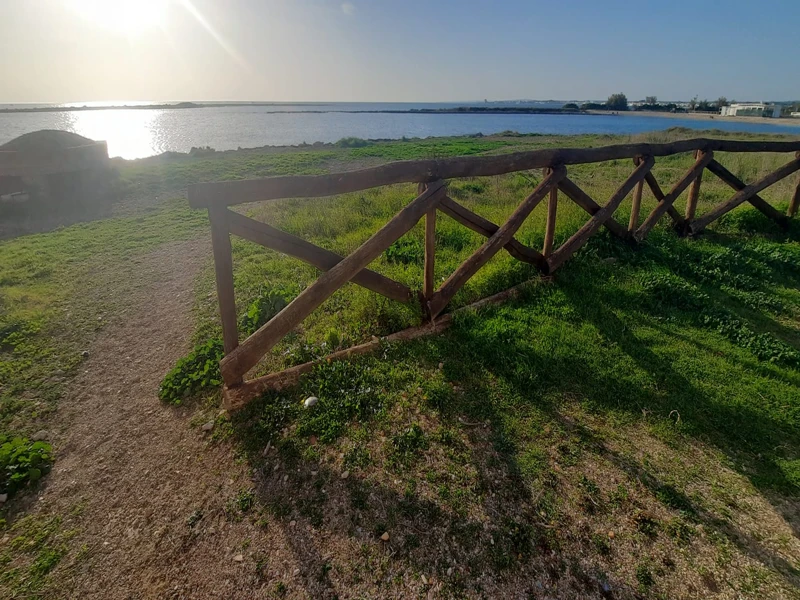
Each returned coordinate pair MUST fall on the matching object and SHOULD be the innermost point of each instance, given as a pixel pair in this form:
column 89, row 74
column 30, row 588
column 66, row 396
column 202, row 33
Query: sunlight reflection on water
column 129, row 133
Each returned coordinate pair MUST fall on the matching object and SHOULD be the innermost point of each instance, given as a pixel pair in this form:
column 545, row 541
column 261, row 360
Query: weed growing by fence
column 197, row 371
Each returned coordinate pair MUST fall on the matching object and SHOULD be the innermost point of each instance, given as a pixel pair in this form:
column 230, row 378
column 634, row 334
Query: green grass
column 154, row 176
column 609, row 397
column 49, row 304
column 643, row 403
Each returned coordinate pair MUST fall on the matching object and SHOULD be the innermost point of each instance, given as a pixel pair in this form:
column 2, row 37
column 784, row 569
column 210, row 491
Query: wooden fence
column 242, row 356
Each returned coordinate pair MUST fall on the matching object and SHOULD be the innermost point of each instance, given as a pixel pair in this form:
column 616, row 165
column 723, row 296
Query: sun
column 124, row 16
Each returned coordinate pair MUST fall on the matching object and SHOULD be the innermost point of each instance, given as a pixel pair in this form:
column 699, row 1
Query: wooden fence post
column 667, row 201
column 550, row 228
column 223, row 268
column 795, row 202
column 633, row 223
column 694, row 191
column 428, row 282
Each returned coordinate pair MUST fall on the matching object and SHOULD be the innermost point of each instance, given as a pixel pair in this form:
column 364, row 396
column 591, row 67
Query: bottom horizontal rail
column 238, row 396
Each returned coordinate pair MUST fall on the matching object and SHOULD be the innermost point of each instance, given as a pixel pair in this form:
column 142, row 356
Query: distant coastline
column 451, row 110
column 460, row 110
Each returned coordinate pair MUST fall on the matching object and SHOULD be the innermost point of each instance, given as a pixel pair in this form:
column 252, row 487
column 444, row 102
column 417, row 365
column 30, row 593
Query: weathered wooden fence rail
column 241, row 357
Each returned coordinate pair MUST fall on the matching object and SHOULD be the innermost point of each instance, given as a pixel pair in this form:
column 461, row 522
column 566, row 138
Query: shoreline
column 460, row 110
column 785, row 121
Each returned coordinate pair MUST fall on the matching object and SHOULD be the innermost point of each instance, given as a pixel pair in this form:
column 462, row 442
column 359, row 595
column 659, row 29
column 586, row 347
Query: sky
column 396, row 50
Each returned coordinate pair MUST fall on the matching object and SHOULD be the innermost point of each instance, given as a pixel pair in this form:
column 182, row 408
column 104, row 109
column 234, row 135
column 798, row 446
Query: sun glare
column 125, row 16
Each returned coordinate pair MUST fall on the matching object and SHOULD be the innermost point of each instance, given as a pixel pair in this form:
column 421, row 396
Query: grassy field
column 631, row 426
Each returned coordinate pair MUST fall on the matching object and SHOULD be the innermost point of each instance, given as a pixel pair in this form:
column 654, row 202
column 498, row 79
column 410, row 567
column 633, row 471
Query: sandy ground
column 702, row 117
column 133, row 466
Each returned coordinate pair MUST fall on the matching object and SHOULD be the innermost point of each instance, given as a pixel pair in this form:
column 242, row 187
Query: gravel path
column 134, row 469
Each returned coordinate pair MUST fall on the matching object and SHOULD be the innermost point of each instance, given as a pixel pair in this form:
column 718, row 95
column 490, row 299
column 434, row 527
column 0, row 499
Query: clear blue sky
column 396, row 50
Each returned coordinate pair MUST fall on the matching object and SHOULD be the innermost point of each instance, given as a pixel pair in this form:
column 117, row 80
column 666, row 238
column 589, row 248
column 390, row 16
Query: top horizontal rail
column 228, row 193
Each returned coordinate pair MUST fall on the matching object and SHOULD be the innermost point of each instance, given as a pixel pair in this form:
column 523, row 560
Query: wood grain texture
column 306, row 186
column 744, row 194
column 552, row 215
column 223, row 270
column 493, row 245
column 322, row 259
column 246, row 356
column 694, row 192
column 757, row 201
column 673, row 194
column 477, row 223
column 428, row 281
column 574, row 243
column 794, row 204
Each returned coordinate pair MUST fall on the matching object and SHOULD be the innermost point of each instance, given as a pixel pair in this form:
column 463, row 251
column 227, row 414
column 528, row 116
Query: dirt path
column 133, row 468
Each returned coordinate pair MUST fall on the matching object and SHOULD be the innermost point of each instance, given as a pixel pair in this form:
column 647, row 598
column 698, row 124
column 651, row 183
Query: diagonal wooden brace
column 324, row 260
column 249, row 352
column 670, row 198
column 585, row 201
column 493, row 245
column 486, row 228
column 744, row 194
column 658, row 194
column 574, row 243
column 757, row 201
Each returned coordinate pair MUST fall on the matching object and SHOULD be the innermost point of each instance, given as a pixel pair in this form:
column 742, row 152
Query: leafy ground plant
column 193, row 373
column 22, row 461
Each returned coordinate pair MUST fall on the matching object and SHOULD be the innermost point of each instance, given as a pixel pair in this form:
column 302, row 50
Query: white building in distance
column 751, row 109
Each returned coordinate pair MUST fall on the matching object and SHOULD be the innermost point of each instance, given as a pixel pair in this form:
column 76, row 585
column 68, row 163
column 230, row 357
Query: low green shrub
column 199, row 370
column 763, row 346
column 405, row 251
column 454, row 239
column 352, row 142
column 193, row 373
column 22, row 461
column 409, row 440
column 665, row 290
column 668, row 290
column 261, row 310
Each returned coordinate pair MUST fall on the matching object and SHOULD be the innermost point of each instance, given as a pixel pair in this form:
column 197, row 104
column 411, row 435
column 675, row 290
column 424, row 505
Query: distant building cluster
column 752, row 109
column 769, row 110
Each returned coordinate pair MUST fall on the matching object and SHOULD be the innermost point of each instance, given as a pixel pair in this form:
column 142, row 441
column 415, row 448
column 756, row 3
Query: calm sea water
column 137, row 133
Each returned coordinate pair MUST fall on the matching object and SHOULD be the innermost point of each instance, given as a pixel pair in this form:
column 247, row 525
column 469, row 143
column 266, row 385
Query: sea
column 133, row 133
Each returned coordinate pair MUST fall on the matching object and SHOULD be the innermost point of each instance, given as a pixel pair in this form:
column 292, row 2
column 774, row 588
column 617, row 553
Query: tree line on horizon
column 619, row 102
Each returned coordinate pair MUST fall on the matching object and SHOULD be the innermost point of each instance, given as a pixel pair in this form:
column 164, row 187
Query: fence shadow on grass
column 558, row 341
column 428, row 539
